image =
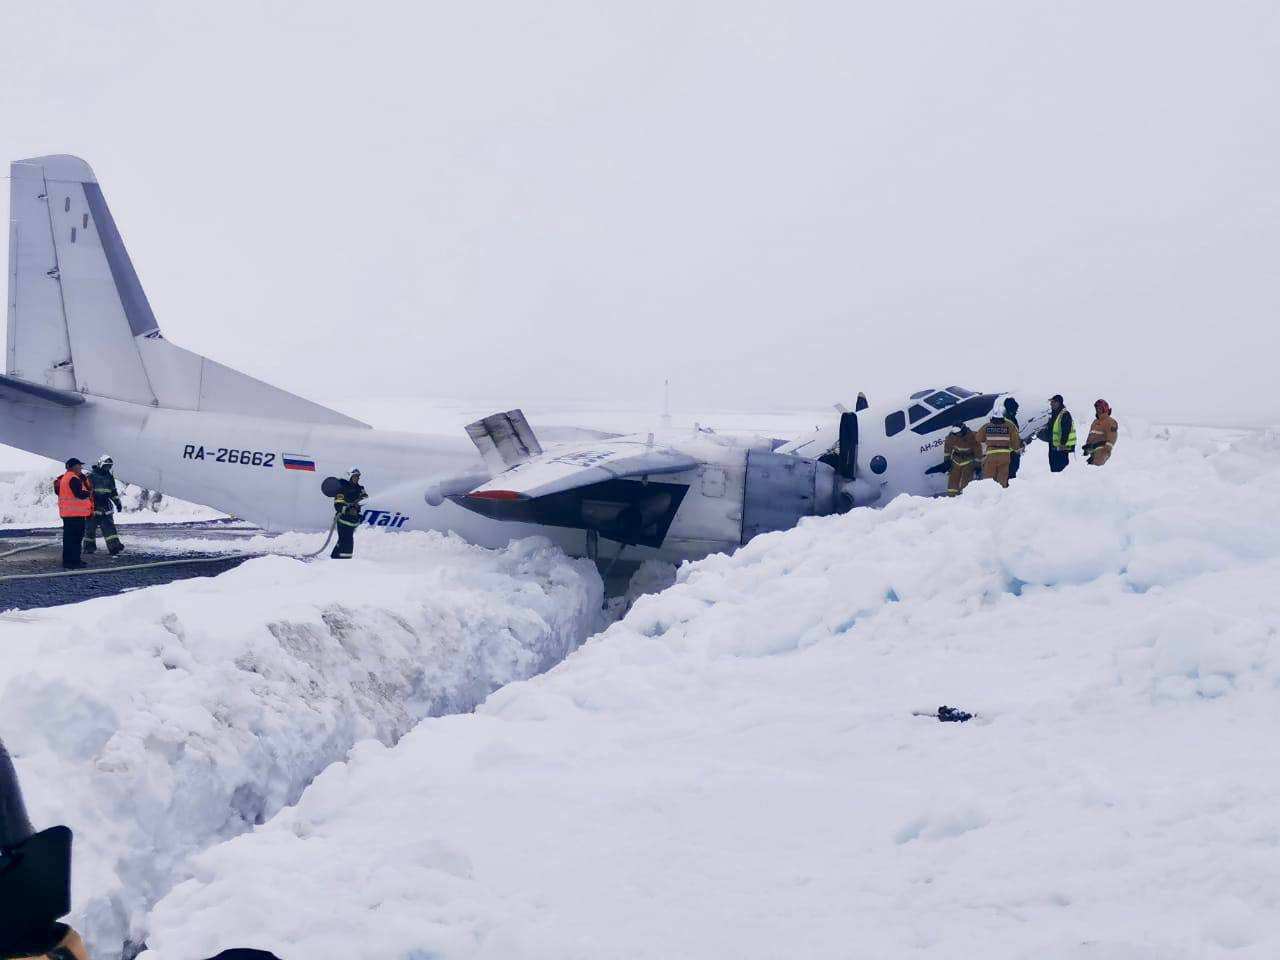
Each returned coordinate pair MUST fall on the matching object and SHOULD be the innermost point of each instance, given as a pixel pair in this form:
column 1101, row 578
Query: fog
column 767, row 204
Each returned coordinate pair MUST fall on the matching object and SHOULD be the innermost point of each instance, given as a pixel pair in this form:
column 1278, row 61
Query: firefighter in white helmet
column 106, row 501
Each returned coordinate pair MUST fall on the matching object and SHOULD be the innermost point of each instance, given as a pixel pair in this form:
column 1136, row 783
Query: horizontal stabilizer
column 12, row 388
column 504, row 440
column 568, row 469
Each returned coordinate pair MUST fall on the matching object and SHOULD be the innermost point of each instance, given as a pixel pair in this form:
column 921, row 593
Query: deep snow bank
column 733, row 769
column 158, row 722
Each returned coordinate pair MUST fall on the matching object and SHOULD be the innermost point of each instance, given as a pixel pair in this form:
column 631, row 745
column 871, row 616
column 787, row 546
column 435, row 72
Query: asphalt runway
column 105, row 575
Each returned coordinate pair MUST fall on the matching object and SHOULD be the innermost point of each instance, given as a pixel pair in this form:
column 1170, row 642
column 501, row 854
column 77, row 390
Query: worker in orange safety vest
column 75, row 507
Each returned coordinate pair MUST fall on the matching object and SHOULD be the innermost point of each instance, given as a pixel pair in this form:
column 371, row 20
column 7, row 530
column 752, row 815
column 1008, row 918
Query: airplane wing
column 568, row 468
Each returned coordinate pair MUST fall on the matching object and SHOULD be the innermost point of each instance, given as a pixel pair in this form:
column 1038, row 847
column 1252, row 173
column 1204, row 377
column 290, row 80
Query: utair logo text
column 383, row 518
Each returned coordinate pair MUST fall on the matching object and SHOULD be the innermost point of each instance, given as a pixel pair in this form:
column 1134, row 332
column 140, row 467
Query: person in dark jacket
column 346, row 505
column 35, row 880
column 75, row 506
column 35, row 884
column 1011, row 414
column 1060, row 435
column 106, row 500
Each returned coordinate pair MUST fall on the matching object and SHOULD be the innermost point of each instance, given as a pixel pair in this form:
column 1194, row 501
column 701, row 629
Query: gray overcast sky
column 774, row 203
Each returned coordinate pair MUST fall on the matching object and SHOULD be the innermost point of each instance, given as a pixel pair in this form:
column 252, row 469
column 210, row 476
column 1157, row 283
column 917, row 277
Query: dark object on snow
column 952, row 715
column 243, row 953
column 35, row 874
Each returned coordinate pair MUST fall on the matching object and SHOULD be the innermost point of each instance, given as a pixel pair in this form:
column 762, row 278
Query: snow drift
column 734, row 770
column 28, row 500
column 158, row 722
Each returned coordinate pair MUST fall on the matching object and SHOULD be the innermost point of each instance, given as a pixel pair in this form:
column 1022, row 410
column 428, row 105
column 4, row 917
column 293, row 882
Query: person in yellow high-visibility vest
column 1060, row 435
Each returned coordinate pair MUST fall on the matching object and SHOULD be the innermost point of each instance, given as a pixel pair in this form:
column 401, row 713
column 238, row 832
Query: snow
column 27, row 499
column 162, row 721
column 733, row 769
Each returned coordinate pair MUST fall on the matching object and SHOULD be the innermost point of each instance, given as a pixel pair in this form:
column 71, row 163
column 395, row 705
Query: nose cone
column 15, row 827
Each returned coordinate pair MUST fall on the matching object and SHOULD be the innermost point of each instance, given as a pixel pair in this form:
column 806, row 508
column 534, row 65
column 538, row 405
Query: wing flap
column 504, row 440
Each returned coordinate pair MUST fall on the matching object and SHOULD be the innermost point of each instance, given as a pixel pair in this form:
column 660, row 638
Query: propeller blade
column 847, row 446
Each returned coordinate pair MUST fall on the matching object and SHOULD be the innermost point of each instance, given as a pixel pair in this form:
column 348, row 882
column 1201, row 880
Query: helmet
column 105, row 461
column 355, row 472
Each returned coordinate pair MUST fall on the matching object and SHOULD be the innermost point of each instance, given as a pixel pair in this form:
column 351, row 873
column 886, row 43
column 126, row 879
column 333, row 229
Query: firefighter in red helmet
column 1102, row 434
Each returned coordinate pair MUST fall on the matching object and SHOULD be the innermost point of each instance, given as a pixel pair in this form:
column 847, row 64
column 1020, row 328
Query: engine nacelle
column 781, row 489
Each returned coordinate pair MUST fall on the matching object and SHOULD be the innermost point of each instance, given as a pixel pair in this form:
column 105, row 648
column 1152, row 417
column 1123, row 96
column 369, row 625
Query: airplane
column 88, row 369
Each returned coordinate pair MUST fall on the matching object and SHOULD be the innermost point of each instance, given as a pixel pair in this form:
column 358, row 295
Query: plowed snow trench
column 734, row 768
column 158, row 723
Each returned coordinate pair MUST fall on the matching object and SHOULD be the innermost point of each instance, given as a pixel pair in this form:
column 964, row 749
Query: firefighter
column 346, row 505
column 75, row 507
column 106, row 499
column 1060, row 435
column 1011, row 414
column 999, row 439
column 35, row 883
column 961, row 450
column 1102, row 434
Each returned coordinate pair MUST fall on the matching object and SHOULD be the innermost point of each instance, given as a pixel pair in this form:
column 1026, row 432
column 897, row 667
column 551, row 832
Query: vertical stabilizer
column 74, row 281
column 38, row 346
column 79, row 319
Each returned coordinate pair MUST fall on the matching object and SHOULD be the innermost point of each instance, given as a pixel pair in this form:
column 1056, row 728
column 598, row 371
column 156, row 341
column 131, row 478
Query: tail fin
column 79, row 319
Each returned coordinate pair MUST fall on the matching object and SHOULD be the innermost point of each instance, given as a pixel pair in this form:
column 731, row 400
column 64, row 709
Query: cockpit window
column 917, row 412
column 894, row 423
column 920, row 394
column 940, row 400
column 961, row 392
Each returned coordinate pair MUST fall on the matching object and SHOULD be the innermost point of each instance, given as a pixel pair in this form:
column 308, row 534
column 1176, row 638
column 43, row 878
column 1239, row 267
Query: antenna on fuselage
column 666, row 405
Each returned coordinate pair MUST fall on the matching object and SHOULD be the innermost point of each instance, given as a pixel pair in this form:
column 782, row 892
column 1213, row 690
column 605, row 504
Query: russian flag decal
column 295, row 461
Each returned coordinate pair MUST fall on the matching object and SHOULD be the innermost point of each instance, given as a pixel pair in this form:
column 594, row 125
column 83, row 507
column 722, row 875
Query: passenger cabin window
column 961, row 392
column 894, row 423
column 940, row 400
column 918, row 412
